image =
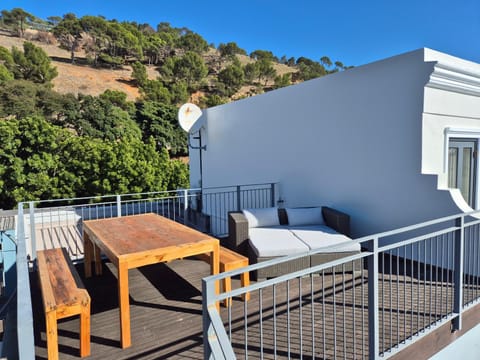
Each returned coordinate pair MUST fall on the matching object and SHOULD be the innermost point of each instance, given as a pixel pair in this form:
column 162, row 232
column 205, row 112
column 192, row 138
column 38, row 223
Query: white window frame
column 457, row 133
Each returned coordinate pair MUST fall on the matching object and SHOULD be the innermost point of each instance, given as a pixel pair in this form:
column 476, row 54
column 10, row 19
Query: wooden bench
column 230, row 260
column 63, row 296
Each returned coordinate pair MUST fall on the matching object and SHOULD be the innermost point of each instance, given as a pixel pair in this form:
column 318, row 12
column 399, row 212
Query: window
column 462, row 167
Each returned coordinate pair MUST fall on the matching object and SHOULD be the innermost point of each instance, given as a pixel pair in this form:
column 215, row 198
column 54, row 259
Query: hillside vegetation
column 89, row 105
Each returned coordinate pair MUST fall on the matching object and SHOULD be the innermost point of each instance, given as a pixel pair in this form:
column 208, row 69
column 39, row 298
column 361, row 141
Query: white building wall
column 351, row 140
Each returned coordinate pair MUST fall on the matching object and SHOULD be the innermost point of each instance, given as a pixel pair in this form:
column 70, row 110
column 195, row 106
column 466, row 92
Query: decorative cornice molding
column 455, row 79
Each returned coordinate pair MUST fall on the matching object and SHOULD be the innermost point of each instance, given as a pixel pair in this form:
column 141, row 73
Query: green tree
column 230, row 49
column 192, row 42
column 154, row 90
column 159, row 121
column 100, row 118
column 325, row 61
column 119, row 99
column 266, row 70
column 251, row 71
column 309, row 69
column 283, row 80
column 190, row 67
column 16, row 18
column 232, row 77
column 32, row 64
column 213, row 100
column 68, row 31
column 18, row 99
column 179, row 176
column 139, row 73
column 153, row 47
column 54, row 20
column 32, row 165
column 339, row 66
column 5, row 74
column 42, row 161
column 179, row 92
column 6, row 57
column 263, row 55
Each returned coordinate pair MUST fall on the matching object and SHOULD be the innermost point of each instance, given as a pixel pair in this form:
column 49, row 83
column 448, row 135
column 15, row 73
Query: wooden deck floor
column 166, row 315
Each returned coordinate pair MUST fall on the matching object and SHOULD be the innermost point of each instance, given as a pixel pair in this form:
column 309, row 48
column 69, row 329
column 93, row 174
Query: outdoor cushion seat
column 275, row 241
column 257, row 234
column 324, row 237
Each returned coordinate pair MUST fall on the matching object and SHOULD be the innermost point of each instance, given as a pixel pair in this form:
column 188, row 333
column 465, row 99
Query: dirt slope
column 81, row 79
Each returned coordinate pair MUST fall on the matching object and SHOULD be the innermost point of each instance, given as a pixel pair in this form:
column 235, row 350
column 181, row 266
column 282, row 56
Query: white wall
column 351, row 140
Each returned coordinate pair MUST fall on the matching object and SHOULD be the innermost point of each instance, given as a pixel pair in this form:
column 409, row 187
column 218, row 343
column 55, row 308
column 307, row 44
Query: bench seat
column 230, row 260
column 63, row 295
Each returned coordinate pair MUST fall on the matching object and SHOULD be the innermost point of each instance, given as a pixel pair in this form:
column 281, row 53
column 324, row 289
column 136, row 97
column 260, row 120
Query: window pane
column 452, row 167
column 466, row 173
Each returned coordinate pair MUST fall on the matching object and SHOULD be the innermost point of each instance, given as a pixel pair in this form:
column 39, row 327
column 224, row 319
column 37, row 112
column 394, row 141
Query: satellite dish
column 188, row 114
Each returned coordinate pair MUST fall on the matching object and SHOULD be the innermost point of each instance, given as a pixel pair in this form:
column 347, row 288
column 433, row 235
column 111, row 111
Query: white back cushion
column 262, row 217
column 304, row 216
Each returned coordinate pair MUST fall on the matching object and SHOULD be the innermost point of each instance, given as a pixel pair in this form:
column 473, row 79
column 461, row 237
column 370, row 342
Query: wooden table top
column 139, row 233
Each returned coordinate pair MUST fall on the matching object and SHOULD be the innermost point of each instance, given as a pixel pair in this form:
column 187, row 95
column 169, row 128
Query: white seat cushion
column 275, row 241
column 320, row 236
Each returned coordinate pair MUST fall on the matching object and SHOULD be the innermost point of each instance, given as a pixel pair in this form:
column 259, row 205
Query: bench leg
column 245, row 281
column 227, row 286
column 85, row 330
column 52, row 335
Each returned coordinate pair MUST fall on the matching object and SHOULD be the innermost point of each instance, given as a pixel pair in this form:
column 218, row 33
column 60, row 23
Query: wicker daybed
column 333, row 221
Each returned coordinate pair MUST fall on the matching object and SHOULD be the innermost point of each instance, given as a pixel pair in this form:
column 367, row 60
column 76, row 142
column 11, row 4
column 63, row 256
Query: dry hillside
column 90, row 81
column 81, row 79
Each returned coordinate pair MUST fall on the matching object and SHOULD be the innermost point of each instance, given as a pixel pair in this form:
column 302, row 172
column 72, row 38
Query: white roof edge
column 431, row 55
column 453, row 74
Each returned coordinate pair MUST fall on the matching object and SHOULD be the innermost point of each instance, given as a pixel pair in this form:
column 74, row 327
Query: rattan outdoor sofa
column 333, row 222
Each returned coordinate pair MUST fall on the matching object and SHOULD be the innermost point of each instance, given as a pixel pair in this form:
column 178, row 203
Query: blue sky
column 354, row 32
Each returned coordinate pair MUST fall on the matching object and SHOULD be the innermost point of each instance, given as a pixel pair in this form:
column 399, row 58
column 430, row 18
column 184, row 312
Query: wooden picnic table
column 133, row 241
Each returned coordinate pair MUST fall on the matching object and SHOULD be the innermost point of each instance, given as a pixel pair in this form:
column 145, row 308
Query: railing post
column 33, row 237
column 119, row 205
column 458, row 274
column 373, row 316
column 272, row 191
column 24, row 317
column 208, row 290
column 185, row 205
column 239, row 208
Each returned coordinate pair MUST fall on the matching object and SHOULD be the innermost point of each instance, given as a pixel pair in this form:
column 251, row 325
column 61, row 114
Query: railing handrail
column 145, row 193
column 103, row 196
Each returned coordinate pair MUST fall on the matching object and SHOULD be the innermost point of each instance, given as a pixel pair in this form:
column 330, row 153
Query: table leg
column 88, row 254
column 98, row 261
column 124, row 305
